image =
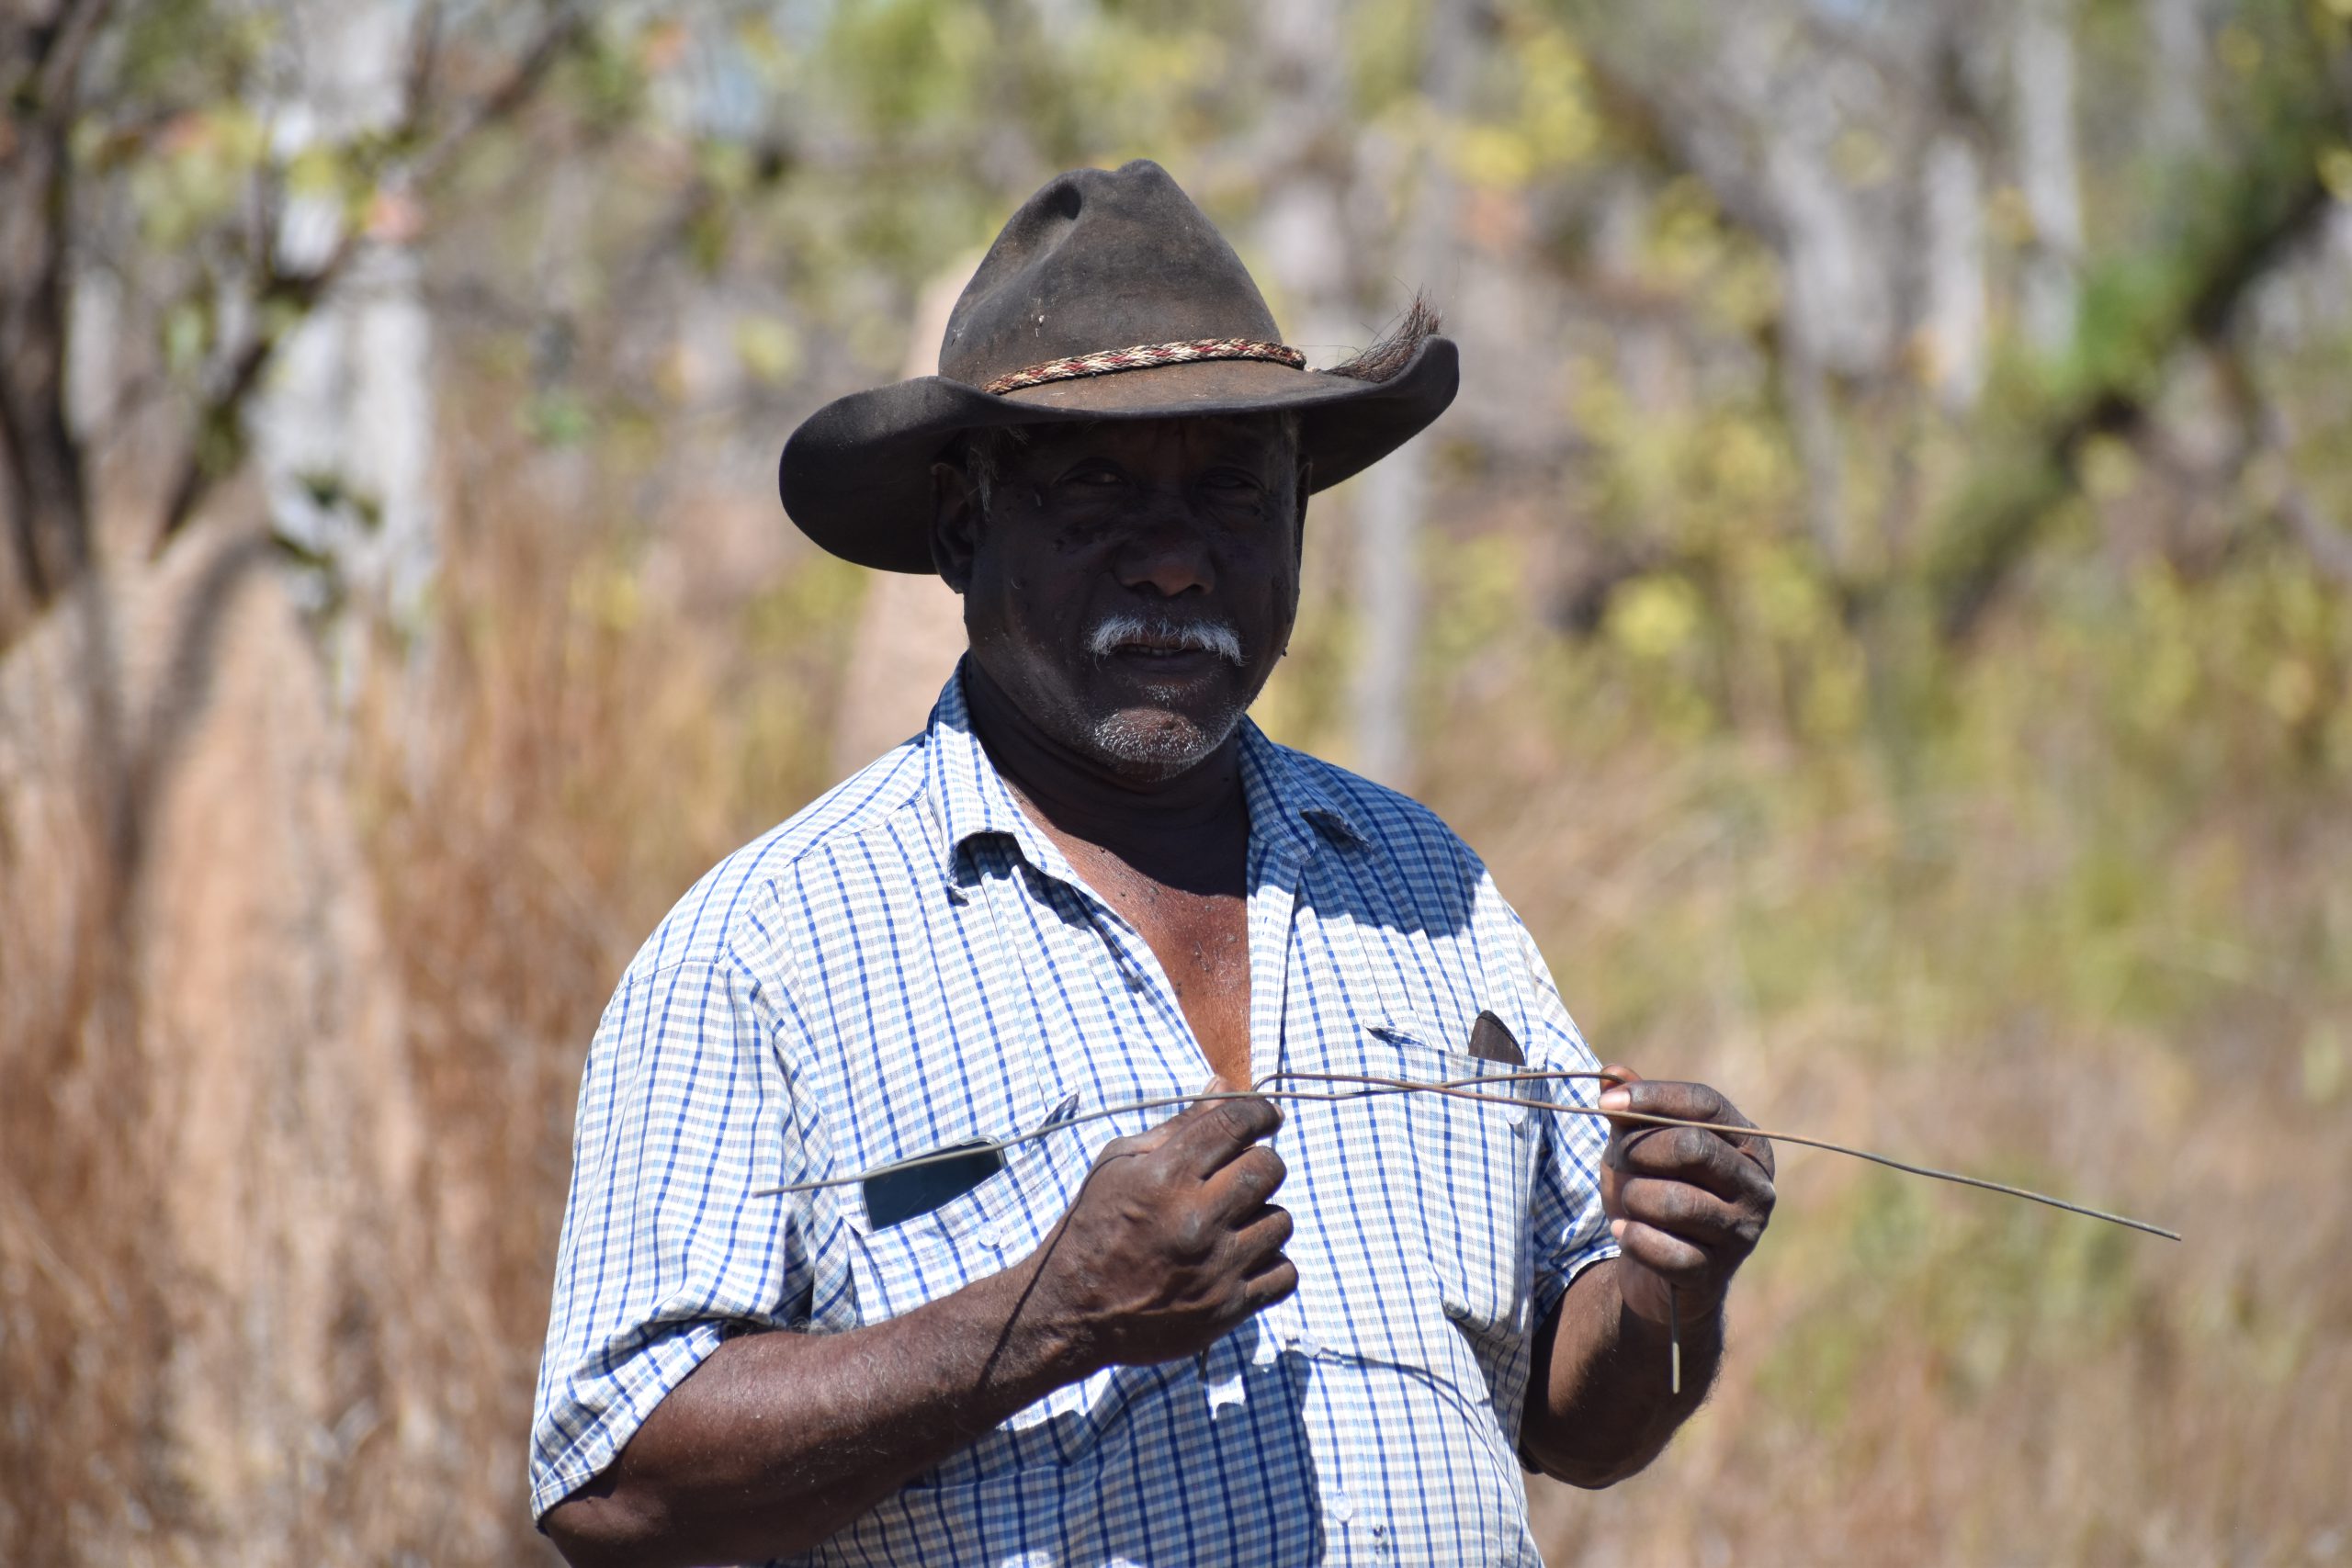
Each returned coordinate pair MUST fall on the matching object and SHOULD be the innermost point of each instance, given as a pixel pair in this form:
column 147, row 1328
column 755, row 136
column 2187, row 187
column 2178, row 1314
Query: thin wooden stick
column 1372, row 1087
column 1379, row 1087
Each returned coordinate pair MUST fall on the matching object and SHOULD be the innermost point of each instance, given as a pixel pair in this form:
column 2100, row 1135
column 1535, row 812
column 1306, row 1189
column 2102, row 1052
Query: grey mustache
column 1207, row 636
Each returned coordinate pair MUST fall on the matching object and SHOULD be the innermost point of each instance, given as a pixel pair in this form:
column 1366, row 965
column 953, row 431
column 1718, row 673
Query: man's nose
column 1168, row 556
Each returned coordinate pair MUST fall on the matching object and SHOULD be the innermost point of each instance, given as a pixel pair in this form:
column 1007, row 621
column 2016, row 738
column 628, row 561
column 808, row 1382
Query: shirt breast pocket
column 898, row 1268
column 1447, row 1177
column 999, row 1221
column 902, row 1266
column 1478, row 1167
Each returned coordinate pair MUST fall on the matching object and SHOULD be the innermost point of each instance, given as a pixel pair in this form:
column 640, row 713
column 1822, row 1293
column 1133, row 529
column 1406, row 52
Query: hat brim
column 856, row 476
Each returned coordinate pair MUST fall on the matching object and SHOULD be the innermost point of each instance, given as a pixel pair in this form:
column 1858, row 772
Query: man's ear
column 955, row 525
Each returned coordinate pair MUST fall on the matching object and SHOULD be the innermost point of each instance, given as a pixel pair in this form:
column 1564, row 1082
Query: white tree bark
column 343, row 432
column 2177, row 120
column 1836, row 315
column 2043, row 79
column 1303, row 219
column 1956, row 308
column 1391, row 499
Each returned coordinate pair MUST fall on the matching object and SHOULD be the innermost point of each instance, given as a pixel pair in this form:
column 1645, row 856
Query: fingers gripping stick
column 1617, row 1077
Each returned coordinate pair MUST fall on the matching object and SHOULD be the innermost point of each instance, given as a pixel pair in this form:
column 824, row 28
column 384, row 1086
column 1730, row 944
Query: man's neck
column 1150, row 823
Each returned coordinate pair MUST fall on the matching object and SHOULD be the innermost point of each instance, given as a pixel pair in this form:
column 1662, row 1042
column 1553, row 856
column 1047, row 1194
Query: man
column 1091, row 882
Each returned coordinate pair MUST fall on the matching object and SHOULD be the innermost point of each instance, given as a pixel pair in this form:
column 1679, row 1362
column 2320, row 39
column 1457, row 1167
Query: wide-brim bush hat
column 1109, row 295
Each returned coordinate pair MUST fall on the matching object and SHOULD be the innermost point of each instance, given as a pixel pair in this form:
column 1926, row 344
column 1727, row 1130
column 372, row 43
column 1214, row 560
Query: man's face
column 1130, row 585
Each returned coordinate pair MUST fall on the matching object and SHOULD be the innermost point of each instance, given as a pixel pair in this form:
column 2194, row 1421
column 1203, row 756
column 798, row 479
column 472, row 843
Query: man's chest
column 1031, row 1008
column 1193, row 918
column 1201, row 943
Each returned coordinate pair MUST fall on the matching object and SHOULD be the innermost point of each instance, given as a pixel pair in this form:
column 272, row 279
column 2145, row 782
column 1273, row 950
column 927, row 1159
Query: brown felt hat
column 1108, row 296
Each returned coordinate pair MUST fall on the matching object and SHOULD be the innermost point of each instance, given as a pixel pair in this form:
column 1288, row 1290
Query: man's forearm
column 1598, row 1407
column 779, row 1439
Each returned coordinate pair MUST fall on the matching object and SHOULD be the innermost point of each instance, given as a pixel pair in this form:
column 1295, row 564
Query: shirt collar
column 969, row 797
column 1287, row 797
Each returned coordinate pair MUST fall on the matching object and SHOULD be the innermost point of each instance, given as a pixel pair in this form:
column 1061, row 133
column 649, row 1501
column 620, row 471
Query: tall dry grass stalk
column 80, row 1313
column 208, row 1142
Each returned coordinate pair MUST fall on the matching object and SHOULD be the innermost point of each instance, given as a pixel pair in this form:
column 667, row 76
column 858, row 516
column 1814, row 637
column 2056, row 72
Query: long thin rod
column 1455, row 1088
column 1372, row 1087
column 1375, row 1088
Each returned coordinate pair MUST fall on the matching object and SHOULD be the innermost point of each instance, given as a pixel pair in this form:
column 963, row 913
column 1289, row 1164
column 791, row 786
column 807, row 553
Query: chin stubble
column 1161, row 744
column 1165, row 742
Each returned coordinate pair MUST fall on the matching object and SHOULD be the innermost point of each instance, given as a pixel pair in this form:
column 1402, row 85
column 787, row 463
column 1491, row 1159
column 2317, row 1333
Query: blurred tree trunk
column 1309, row 225
column 344, row 430
column 1392, row 499
column 2043, row 79
column 1828, row 323
column 1306, row 158
column 2176, row 120
column 41, row 462
column 1957, row 313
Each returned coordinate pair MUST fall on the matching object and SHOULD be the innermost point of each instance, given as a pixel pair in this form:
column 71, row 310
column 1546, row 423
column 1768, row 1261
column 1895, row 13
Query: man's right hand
column 1171, row 1241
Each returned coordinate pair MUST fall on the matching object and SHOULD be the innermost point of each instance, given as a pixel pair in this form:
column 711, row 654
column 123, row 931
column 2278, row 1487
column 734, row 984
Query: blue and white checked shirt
column 909, row 963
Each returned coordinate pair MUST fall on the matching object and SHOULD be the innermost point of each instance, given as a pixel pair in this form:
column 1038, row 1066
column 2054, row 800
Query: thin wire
column 1384, row 1086
column 1372, row 1087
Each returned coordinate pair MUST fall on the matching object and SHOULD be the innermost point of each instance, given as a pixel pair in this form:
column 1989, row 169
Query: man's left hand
column 1687, row 1205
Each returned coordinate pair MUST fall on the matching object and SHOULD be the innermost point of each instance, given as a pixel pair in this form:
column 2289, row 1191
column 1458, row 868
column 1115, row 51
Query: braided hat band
column 1144, row 355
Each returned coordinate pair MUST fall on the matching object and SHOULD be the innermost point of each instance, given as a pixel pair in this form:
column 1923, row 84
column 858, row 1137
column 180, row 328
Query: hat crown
column 1099, row 259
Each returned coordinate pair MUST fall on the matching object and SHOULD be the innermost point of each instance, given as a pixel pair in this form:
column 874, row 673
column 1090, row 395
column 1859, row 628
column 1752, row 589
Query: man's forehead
column 1250, row 435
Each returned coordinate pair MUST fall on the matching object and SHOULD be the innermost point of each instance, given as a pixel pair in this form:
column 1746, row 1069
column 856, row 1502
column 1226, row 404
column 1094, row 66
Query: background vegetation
column 1880, row 605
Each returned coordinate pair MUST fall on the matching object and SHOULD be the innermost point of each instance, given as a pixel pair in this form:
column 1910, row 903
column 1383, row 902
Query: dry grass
column 2114, row 970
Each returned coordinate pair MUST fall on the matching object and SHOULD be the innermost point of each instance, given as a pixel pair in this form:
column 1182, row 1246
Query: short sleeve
column 1571, row 1231
column 685, row 1118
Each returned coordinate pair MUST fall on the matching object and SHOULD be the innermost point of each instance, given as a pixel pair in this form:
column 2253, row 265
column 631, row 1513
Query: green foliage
column 910, row 66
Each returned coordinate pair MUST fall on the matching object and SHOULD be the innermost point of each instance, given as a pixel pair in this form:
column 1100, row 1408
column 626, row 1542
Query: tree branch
column 40, row 460
column 2000, row 516
column 219, row 442
column 60, row 71
column 41, row 56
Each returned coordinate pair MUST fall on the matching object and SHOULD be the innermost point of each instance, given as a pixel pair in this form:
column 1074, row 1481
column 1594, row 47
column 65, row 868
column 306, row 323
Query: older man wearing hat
column 884, row 1244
